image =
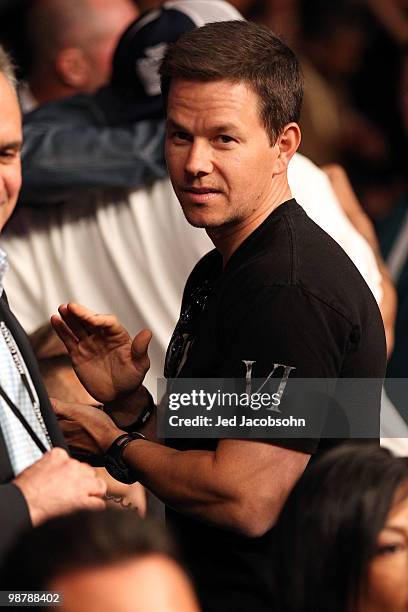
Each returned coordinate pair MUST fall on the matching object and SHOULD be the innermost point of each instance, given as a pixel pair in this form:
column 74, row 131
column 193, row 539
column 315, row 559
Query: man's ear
column 287, row 142
column 72, row 67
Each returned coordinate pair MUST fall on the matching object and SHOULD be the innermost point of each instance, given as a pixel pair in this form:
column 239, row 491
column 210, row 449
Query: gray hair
column 7, row 68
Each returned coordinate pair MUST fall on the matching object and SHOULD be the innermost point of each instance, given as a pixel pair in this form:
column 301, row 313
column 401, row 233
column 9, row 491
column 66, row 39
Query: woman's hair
column 327, row 532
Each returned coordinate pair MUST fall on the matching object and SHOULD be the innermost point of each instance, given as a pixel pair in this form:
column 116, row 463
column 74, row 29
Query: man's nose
column 199, row 161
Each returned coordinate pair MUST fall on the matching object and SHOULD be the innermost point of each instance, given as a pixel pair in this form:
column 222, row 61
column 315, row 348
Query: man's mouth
column 201, row 190
column 201, row 195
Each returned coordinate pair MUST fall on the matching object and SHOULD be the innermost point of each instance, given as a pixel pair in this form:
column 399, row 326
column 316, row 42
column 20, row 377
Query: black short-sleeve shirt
column 288, row 295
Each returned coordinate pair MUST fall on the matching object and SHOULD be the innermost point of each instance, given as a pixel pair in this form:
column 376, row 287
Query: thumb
column 140, row 345
column 63, row 409
column 59, row 407
column 55, row 404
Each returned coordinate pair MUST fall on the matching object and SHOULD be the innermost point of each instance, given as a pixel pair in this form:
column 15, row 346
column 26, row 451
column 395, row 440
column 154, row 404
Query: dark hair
column 84, row 539
column 240, row 51
column 327, row 532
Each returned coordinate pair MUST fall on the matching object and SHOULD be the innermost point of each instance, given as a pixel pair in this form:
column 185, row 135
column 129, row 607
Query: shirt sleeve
column 284, row 326
column 59, row 159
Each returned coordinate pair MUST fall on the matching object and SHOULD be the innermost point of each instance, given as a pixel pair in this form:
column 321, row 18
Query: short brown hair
column 240, row 51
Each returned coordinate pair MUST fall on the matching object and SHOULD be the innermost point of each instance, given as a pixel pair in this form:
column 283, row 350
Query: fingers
column 76, row 324
column 55, row 404
column 95, row 503
column 56, row 455
column 90, row 483
column 99, row 487
column 94, row 488
column 71, row 411
column 91, row 321
column 140, row 344
column 62, row 409
column 64, row 333
column 57, row 484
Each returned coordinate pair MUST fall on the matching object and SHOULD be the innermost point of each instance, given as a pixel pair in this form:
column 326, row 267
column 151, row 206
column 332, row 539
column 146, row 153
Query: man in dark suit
column 37, row 480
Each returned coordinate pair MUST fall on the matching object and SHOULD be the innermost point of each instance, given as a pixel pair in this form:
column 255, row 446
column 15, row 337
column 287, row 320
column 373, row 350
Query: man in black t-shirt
column 269, row 305
column 277, row 290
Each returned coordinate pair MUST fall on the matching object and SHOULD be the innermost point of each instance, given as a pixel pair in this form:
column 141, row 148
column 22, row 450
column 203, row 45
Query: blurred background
column 355, row 62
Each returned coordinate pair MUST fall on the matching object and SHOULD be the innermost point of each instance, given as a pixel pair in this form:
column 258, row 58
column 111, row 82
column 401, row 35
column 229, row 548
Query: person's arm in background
column 351, row 206
column 392, row 16
column 60, row 159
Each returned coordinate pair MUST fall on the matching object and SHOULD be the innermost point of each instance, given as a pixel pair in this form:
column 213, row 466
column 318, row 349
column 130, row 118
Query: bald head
column 72, row 43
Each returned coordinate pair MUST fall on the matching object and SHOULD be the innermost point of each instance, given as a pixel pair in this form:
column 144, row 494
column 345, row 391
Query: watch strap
column 114, row 462
column 142, row 418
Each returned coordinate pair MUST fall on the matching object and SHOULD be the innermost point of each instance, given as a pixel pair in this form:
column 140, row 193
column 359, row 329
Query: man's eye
column 224, row 139
column 180, row 136
column 8, row 154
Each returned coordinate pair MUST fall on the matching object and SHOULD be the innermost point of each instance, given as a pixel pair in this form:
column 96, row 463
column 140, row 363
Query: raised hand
column 106, row 360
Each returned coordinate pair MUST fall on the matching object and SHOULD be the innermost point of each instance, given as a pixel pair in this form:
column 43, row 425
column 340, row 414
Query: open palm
column 106, row 360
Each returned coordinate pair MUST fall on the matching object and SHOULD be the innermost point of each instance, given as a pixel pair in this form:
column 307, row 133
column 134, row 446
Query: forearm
column 362, row 223
column 388, row 307
column 393, row 17
column 241, row 485
column 351, row 206
column 121, row 495
column 188, row 481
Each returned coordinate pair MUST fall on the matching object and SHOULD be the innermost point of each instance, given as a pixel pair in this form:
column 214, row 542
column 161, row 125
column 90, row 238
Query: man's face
column 219, row 156
column 10, row 146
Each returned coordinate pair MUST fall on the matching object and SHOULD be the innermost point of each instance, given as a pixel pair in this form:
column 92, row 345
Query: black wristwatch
column 142, row 419
column 114, row 462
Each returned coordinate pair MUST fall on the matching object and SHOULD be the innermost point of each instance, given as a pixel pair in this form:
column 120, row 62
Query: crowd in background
column 355, row 58
column 354, row 121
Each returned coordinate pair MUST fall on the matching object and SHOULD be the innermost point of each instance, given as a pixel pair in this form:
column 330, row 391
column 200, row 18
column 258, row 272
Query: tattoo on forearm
column 118, row 499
